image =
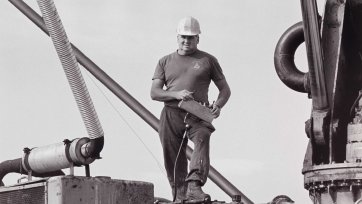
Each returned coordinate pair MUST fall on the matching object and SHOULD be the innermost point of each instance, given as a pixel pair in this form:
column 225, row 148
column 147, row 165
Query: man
column 186, row 75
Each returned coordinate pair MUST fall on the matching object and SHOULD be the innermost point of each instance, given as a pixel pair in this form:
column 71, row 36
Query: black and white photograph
column 181, row 101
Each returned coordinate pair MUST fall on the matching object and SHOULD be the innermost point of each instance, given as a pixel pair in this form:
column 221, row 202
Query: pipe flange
column 75, row 152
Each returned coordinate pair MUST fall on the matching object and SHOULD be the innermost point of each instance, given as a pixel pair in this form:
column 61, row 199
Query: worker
column 186, row 75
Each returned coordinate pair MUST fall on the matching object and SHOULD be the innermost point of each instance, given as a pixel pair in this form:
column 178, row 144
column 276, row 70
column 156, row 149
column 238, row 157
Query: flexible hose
column 15, row 166
column 73, row 73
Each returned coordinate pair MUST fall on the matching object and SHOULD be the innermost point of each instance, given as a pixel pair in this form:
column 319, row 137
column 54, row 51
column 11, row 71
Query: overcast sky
column 259, row 143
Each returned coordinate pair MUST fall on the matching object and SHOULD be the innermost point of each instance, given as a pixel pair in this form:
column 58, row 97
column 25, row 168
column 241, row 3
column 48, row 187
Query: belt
column 182, row 111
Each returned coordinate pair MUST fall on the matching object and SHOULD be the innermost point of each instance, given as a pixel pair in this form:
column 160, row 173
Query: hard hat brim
column 188, row 34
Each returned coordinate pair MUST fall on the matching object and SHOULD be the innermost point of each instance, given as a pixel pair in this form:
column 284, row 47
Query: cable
column 187, row 127
column 129, row 126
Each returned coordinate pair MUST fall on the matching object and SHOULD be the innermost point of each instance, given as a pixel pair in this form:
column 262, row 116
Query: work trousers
column 171, row 131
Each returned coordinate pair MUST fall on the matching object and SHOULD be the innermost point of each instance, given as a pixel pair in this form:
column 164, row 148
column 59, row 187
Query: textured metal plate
column 35, row 195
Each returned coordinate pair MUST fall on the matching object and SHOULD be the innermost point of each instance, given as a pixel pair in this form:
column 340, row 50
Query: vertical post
column 30, row 176
column 320, row 113
column 71, row 169
column 87, row 170
column 314, row 53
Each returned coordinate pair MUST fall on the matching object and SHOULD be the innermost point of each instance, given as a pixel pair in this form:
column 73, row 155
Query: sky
column 259, row 142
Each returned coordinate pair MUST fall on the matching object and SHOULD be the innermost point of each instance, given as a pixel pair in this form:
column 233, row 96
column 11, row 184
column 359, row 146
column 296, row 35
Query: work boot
column 180, row 198
column 181, row 193
column 194, row 191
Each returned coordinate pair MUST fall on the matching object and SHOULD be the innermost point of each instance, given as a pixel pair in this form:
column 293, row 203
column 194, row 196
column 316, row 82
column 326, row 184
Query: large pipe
column 47, row 161
column 15, row 166
column 314, row 53
column 74, row 76
column 320, row 117
column 284, row 59
column 56, row 156
column 131, row 102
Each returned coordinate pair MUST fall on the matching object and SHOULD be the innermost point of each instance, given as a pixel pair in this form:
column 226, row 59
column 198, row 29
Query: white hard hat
column 188, row 26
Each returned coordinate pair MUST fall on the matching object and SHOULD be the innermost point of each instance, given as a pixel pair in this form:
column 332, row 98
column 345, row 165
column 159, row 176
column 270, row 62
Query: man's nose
column 187, row 40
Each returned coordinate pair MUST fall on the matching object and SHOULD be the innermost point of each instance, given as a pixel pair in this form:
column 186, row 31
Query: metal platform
column 195, row 202
column 78, row 190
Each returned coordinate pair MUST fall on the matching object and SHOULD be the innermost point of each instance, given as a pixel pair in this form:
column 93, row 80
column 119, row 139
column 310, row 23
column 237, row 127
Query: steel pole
column 320, row 118
column 124, row 96
column 314, row 54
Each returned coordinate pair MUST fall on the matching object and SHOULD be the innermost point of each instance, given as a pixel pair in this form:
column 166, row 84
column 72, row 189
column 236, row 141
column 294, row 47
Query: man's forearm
column 223, row 97
column 224, row 92
column 163, row 95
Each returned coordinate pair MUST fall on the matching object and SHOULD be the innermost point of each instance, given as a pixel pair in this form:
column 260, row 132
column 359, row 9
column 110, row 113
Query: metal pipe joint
column 284, row 63
column 56, row 156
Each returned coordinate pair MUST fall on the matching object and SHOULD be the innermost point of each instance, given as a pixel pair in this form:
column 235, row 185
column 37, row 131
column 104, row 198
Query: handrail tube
column 123, row 95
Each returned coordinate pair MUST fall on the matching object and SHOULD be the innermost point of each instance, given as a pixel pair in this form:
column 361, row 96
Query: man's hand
column 184, row 95
column 215, row 111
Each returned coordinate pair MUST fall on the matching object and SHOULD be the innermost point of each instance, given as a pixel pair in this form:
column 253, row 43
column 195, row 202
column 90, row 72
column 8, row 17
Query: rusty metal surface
column 343, row 196
column 31, row 193
column 332, row 166
column 78, row 190
column 337, row 177
column 70, row 189
column 340, row 41
column 344, row 73
column 332, row 28
column 34, row 195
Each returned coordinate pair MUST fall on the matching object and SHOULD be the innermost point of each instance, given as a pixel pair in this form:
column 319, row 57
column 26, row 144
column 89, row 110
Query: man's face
column 187, row 44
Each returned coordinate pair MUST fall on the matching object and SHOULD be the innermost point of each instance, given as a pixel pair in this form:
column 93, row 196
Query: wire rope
column 128, row 125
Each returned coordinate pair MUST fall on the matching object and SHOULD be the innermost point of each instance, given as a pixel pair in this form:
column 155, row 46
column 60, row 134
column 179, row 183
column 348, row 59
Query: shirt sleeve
column 216, row 71
column 160, row 71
